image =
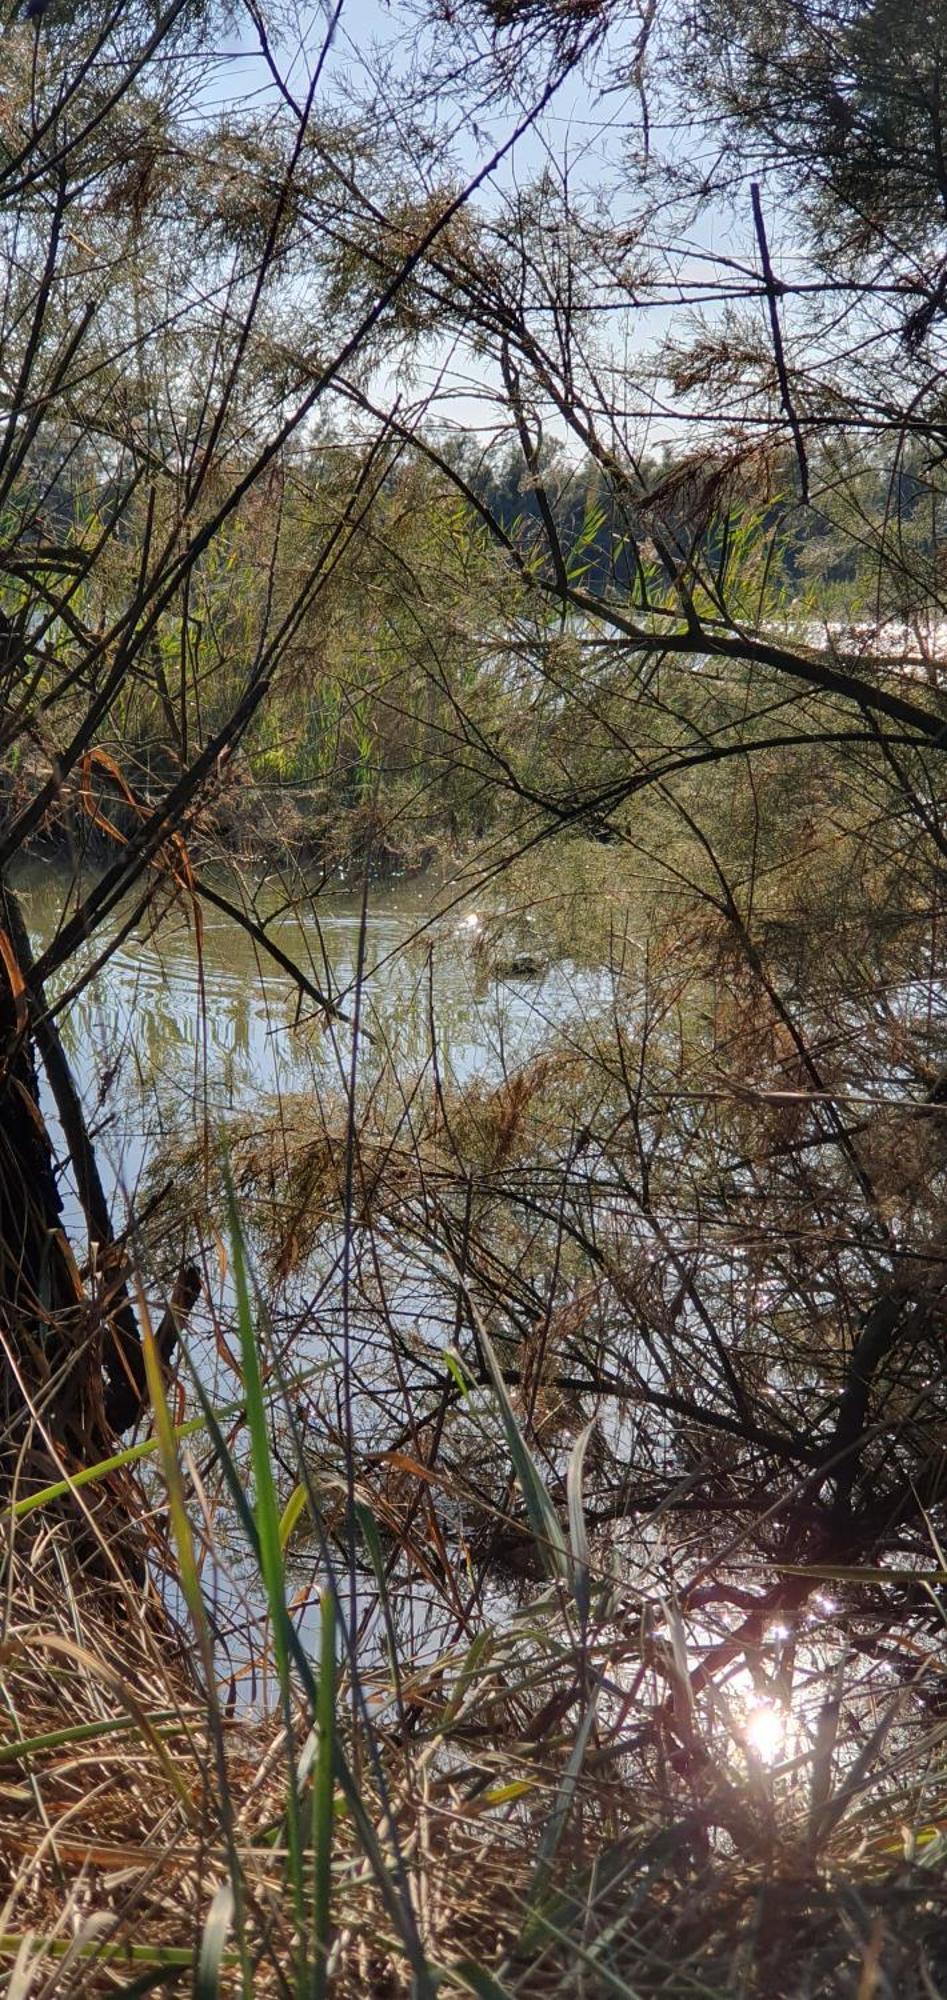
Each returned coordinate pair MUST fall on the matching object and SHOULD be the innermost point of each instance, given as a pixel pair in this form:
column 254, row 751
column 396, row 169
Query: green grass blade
column 556, row 1824
column 89, row 1475
column 193, row 1597
column 89, row 1732
column 369, row 1529
column 578, row 1534
column 323, row 1800
column 168, row 1956
column 270, row 1550
column 543, row 1519
column 210, row 1958
column 474, row 1663
column 292, row 1512
column 565, row 1795
column 399, row 1911
column 177, row 1505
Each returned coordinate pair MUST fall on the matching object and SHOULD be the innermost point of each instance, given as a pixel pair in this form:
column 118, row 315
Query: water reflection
column 179, row 1029
column 173, row 1029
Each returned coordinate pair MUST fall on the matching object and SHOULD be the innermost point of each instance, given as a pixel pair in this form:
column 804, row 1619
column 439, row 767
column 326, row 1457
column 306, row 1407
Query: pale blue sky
column 579, row 125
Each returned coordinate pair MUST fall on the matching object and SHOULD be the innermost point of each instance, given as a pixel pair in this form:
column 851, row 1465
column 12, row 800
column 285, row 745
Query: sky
column 580, row 125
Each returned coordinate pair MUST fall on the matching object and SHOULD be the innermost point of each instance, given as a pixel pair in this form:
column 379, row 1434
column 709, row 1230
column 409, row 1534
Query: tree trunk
column 70, row 1373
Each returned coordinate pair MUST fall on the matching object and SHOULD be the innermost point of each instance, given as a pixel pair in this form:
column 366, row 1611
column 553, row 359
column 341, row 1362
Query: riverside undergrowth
column 559, row 1786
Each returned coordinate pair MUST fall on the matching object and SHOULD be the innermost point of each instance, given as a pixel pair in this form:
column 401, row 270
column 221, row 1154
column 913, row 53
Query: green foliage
column 589, row 1370
column 849, row 100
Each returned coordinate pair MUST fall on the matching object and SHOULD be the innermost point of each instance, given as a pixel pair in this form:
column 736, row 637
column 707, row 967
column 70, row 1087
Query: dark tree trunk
column 51, row 1375
column 71, row 1369
column 72, row 1373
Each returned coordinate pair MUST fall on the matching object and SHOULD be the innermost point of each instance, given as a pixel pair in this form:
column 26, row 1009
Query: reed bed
column 564, row 1796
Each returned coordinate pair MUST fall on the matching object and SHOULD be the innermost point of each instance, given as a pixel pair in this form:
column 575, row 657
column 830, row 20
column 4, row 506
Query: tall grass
column 551, row 1800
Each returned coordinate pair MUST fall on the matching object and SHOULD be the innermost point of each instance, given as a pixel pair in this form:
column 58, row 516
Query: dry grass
column 542, row 1848
column 109, row 1835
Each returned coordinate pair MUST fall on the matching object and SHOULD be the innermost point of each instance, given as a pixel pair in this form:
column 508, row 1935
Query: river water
column 172, row 1030
column 175, row 1033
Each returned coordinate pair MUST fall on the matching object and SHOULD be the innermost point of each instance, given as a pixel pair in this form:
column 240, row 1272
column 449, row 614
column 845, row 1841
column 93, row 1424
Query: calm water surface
column 170, row 1034
column 167, row 1031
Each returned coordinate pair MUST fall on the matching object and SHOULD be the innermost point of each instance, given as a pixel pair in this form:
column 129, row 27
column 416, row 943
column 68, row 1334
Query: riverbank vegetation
column 478, row 1527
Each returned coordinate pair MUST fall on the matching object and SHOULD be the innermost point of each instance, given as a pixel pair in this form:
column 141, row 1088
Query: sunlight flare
column 766, row 1731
